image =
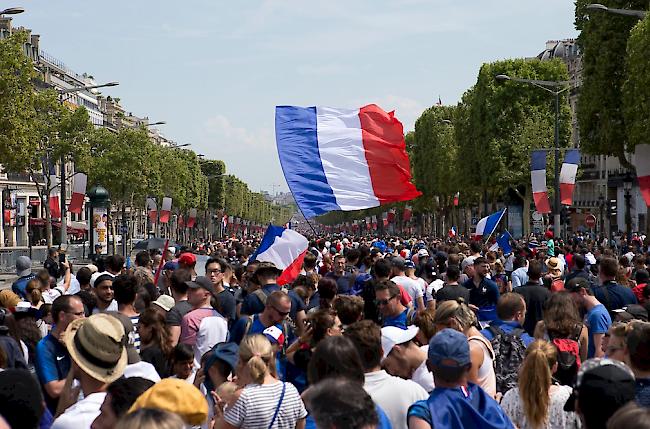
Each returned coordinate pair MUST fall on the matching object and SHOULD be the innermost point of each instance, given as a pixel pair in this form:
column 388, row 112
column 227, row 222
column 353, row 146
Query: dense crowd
column 373, row 333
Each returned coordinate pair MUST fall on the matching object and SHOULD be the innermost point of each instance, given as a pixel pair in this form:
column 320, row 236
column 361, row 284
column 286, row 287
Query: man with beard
column 102, row 284
column 483, row 292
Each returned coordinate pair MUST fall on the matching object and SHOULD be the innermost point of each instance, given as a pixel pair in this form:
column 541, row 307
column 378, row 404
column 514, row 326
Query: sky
column 215, row 70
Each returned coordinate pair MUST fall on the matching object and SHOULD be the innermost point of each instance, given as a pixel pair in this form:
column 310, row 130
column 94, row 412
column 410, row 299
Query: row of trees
column 37, row 132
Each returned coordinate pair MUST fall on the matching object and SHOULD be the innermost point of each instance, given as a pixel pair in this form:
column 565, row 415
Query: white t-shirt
column 212, row 330
column 82, row 414
column 257, row 404
column 423, row 376
column 394, row 395
column 410, row 286
column 111, row 307
column 557, row 417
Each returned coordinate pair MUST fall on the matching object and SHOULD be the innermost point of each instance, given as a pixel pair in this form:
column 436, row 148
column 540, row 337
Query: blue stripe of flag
column 492, row 222
column 538, row 160
column 272, row 232
column 297, row 141
column 572, row 157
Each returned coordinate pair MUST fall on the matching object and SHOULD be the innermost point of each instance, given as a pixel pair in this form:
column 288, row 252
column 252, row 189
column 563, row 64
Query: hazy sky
column 215, row 70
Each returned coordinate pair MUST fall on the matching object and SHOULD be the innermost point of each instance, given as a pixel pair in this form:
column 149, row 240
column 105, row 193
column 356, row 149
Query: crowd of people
column 396, row 333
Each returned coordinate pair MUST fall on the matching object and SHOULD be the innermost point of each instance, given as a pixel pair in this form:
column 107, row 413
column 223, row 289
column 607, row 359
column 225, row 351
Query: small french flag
column 166, row 210
column 286, row 248
column 78, row 193
column 53, row 199
column 488, row 224
column 456, row 199
column 152, row 209
column 452, row 232
column 642, row 163
column 568, row 176
column 538, row 180
column 191, row 221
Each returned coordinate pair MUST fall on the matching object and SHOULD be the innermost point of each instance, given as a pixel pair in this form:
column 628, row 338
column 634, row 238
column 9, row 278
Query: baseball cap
column 265, row 267
column 274, row 335
column 409, row 264
column 603, row 384
column 447, row 345
column 165, row 302
column 576, row 283
column 422, row 253
column 175, row 396
column 201, row 282
column 170, row 266
column 23, row 266
column 171, row 249
column 398, row 262
column 632, row 312
column 225, row 352
column 376, row 252
column 187, row 259
column 466, row 262
column 392, row 336
column 142, row 369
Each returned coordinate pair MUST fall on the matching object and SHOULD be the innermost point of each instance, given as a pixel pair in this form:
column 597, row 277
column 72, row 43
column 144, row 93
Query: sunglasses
column 384, row 301
column 281, row 313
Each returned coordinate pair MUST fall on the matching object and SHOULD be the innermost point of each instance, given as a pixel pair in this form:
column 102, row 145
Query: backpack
column 509, row 351
column 568, row 357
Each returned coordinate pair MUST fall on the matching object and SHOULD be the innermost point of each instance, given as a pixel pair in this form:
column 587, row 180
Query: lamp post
column 627, row 186
column 12, row 11
column 556, row 88
column 601, row 205
column 62, row 92
column 155, row 123
column 627, row 12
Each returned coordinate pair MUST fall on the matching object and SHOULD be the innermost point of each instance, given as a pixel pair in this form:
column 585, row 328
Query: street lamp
column 627, row 12
column 12, row 11
column 627, row 187
column 61, row 92
column 556, row 88
column 176, row 146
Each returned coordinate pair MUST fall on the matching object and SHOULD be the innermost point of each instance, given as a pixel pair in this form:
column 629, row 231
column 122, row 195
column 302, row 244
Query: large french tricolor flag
column 53, row 198
column 165, row 210
column 342, row 159
column 78, row 193
column 488, row 224
column 286, row 248
column 568, row 176
column 538, row 180
column 642, row 164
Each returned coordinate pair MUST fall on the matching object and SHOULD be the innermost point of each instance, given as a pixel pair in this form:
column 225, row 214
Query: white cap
column 142, row 369
column 95, row 276
column 423, row 252
column 172, row 249
column 165, row 302
column 392, row 335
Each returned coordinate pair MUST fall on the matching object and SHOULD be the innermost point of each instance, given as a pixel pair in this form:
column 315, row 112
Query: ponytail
column 33, row 292
column 256, row 352
column 535, row 381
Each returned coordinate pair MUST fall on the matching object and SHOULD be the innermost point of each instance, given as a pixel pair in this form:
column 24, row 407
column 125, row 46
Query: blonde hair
column 455, row 314
column 257, row 353
column 150, row 418
column 535, row 380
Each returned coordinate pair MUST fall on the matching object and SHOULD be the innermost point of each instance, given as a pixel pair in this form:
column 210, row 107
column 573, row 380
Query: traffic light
column 611, row 208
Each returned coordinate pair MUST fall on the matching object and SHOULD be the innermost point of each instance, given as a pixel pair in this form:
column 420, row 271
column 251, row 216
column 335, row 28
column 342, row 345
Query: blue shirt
column 485, row 297
column 643, row 392
column 519, row 277
column 52, row 364
column 19, row 286
column 257, row 327
column 384, row 423
column 400, row 320
column 615, row 297
column 507, row 327
column 598, row 322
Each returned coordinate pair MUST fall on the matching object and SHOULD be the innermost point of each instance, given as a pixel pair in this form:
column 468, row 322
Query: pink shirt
column 192, row 321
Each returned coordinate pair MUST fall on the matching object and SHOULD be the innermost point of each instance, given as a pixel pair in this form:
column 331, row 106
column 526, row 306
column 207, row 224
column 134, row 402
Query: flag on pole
column 568, row 176
column 384, row 218
column 408, row 212
column 342, row 159
column 456, row 199
column 165, row 210
column 54, row 197
column 439, row 103
column 78, row 193
column 504, row 243
column 538, row 180
column 488, row 224
column 152, row 209
column 642, row 163
column 453, row 232
column 191, row 221
column 286, row 248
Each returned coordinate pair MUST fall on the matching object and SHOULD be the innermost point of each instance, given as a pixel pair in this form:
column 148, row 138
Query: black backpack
column 509, row 351
column 568, row 357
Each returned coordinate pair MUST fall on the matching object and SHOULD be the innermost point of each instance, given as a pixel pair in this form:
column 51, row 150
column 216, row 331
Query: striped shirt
column 134, row 336
column 257, row 403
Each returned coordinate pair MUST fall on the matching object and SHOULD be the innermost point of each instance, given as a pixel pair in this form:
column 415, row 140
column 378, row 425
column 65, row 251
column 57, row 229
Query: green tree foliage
column 636, row 90
column 603, row 40
column 214, row 171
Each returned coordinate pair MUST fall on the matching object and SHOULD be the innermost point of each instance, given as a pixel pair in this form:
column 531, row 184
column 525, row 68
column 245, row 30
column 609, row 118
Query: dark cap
column 266, row 267
column 201, row 282
column 399, row 263
column 642, row 276
column 602, row 384
column 576, row 283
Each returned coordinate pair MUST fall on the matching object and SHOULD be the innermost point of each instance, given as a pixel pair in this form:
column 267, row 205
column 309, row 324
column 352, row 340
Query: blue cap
column 449, row 344
column 409, row 264
column 225, row 352
column 170, row 266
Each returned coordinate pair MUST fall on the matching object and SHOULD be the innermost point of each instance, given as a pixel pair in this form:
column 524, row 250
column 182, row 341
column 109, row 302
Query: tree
column 636, row 89
column 603, row 39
